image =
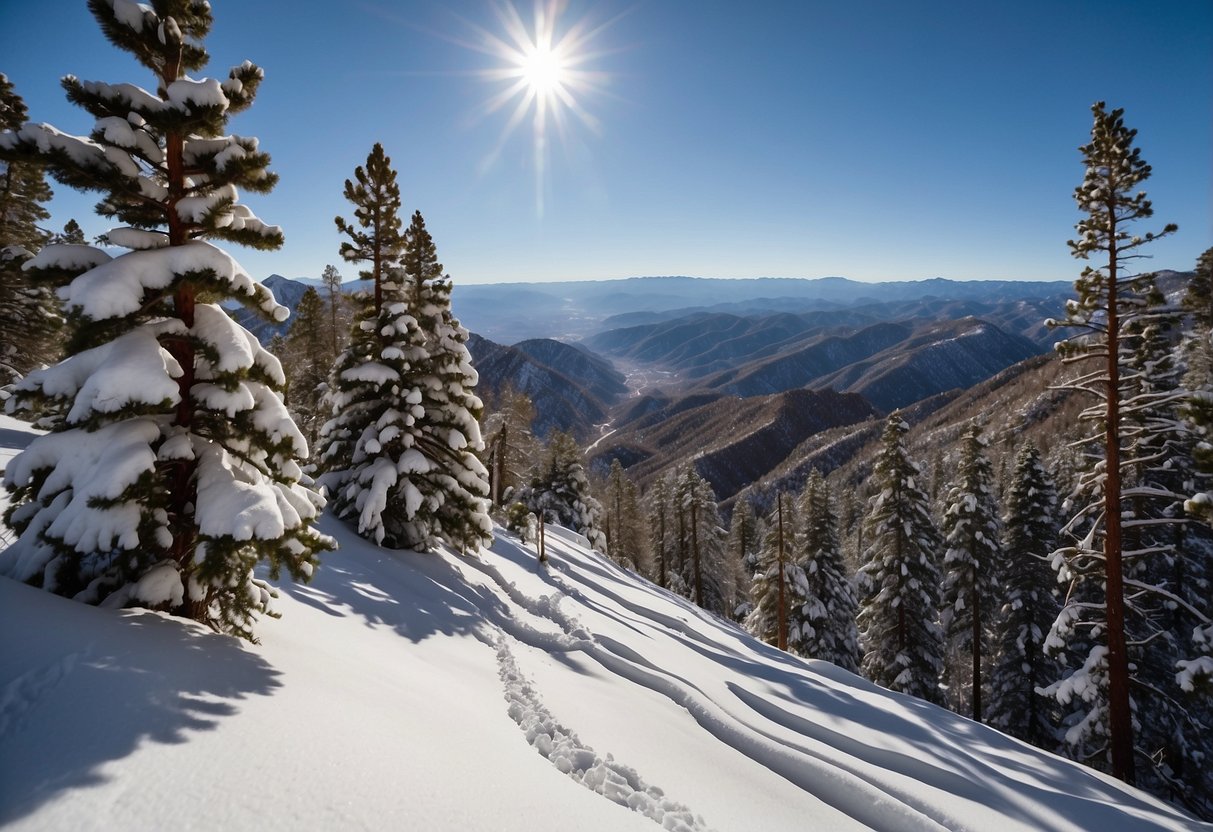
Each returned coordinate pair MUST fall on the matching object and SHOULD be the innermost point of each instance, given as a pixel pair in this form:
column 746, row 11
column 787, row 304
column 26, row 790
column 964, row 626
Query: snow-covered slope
column 434, row 692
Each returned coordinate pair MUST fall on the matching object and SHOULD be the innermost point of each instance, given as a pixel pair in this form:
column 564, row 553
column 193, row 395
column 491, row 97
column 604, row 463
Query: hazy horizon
column 876, row 139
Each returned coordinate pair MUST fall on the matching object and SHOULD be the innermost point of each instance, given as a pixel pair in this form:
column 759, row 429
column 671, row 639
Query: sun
column 545, row 75
column 543, row 70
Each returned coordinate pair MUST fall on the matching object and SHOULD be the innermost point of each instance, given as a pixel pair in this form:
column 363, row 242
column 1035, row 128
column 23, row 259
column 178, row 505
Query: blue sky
column 874, row 140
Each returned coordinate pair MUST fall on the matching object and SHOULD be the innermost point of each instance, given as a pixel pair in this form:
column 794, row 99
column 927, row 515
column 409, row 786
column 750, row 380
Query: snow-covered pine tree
column 900, row 580
column 560, row 491
column 1166, row 557
column 29, row 317
column 1028, row 607
column 174, row 468
column 777, row 592
column 1197, row 672
column 455, row 483
column 1107, row 303
column 368, row 446
column 971, row 534
column 826, row 620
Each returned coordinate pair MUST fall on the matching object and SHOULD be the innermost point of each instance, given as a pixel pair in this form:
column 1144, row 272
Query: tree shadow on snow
column 141, row 678
column 16, row 440
column 419, row 595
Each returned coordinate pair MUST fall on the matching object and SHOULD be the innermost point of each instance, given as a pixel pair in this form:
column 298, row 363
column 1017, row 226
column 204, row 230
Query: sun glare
column 544, row 76
column 543, row 70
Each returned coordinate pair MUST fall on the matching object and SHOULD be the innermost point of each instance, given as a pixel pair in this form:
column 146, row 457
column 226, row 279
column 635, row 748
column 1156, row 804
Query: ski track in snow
column 616, row 782
column 847, row 791
column 21, row 694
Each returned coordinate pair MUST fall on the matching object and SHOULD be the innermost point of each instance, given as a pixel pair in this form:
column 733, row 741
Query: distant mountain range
column 736, row 376
column 511, row 312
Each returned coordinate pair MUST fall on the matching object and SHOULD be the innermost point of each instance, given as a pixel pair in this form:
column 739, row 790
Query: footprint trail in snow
column 602, row 775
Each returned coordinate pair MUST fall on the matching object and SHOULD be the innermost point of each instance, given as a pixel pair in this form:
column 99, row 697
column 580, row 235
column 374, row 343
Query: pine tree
column 29, row 318
column 744, row 543
column 338, row 322
column 456, row 484
column 827, row 629
column 624, row 527
column 368, row 446
column 660, row 509
column 900, row 579
column 377, row 238
column 560, row 491
column 971, row 532
column 306, row 361
column 1028, row 608
column 1166, row 556
column 510, row 448
column 72, row 234
column 777, row 592
column 173, row 469
column 1108, row 301
column 1197, row 673
column 708, row 573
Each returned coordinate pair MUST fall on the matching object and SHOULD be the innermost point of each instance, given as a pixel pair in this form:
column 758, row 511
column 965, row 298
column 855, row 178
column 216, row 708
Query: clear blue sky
column 875, row 140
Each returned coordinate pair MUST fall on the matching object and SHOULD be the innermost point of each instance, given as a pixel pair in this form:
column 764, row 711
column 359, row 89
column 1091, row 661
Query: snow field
column 443, row 693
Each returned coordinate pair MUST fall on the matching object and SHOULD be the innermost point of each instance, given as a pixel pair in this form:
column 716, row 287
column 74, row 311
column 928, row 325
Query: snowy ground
column 432, row 692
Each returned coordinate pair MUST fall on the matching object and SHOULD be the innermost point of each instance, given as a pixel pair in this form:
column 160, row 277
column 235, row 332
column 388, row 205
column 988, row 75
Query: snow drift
column 406, row 691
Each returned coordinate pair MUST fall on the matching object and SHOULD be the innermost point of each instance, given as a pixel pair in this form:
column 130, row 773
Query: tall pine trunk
column 1120, row 715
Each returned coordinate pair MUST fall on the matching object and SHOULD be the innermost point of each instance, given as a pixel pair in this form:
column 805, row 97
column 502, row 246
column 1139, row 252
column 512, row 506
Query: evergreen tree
column 625, row 531
column 72, row 234
column 173, row 469
column 1197, row 672
column 900, row 579
column 1028, row 609
column 560, row 491
column 1166, row 556
column 1108, row 302
column 400, row 450
column 708, row 573
column 29, row 318
column 744, row 543
column 338, row 322
column 376, row 239
column 660, row 509
column 306, row 361
column 777, row 593
column 826, row 620
column 368, row 452
column 971, row 532
column 510, row 447
column 456, row 484
column 23, row 188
